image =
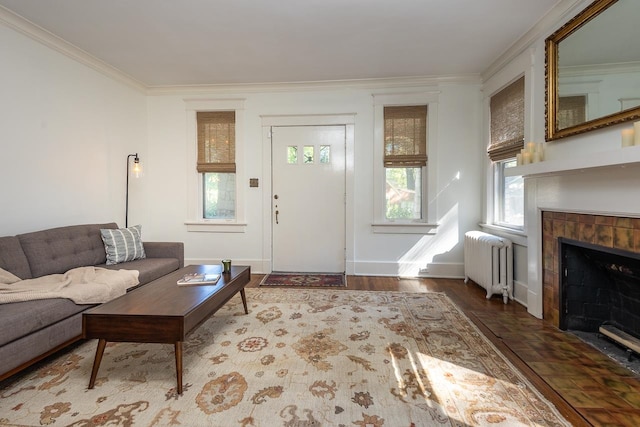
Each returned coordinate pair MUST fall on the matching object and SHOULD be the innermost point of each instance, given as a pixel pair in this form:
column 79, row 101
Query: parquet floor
column 586, row 386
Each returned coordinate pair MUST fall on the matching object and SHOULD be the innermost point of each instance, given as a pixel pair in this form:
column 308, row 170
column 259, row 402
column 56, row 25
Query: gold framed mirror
column 592, row 69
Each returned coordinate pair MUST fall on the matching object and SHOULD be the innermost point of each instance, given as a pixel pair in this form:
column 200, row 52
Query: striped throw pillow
column 123, row 244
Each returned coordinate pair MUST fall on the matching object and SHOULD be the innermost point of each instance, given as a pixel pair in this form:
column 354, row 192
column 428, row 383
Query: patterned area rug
column 303, row 279
column 304, row 358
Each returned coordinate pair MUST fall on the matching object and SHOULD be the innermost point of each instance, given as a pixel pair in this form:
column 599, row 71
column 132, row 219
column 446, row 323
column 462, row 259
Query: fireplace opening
column 600, row 291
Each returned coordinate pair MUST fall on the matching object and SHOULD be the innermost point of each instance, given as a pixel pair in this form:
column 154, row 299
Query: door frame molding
column 345, row 119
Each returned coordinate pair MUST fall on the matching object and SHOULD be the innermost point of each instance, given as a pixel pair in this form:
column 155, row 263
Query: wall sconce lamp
column 137, row 170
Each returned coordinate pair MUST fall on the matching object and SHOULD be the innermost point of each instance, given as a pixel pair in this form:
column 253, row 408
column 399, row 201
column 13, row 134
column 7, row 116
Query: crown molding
column 39, row 34
column 383, row 83
column 46, row 38
column 561, row 12
column 599, row 69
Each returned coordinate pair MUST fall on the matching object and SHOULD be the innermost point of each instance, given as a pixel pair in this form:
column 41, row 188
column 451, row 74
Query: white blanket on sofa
column 82, row 285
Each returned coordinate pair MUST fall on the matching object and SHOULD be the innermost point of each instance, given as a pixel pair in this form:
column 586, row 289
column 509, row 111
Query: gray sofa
column 32, row 330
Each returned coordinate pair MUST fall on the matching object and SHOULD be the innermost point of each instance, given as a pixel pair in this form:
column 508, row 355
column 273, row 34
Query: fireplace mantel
column 618, row 158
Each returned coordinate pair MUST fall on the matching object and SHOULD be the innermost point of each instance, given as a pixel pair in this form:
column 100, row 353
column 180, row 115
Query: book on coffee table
column 194, row 279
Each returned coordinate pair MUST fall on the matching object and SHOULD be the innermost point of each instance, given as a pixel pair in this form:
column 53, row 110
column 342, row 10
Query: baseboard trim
column 398, row 269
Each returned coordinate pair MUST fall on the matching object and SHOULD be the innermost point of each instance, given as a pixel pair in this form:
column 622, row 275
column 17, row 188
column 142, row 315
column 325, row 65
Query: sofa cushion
column 123, row 244
column 58, row 250
column 149, row 268
column 13, row 258
column 23, row 350
column 22, row 318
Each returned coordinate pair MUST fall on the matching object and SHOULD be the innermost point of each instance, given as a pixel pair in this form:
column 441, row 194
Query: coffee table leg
column 244, row 301
column 96, row 362
column 178, row 351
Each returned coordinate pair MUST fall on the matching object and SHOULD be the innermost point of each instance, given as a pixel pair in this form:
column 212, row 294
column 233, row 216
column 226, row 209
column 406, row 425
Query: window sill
column 404, row 228
column 216, row 227
column 519, row 237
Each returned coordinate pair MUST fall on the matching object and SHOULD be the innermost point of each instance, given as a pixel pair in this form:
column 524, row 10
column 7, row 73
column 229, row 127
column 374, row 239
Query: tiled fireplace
column 609, row 231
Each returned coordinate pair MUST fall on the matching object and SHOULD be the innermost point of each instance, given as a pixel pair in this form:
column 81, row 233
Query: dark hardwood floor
column 586, row 386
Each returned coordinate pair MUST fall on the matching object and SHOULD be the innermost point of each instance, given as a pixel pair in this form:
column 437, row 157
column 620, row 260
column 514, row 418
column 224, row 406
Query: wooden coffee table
column 162, row 312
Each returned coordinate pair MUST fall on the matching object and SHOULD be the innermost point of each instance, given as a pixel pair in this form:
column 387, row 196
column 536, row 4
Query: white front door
column 308, row 198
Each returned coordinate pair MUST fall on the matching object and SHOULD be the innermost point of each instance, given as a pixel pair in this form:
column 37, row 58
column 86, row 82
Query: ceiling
column 201, row 42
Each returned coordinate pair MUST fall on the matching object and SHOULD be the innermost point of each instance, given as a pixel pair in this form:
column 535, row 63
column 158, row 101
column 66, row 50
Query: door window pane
column 325, row 154
column 403, row 193
column 292, row 155
column 219, row 195
column 308, row 154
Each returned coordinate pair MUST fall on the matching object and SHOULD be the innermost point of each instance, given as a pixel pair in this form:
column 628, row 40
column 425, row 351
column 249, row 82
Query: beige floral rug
column 299, row 358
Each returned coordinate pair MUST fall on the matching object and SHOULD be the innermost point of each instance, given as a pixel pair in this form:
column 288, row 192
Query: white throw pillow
column 123, row 244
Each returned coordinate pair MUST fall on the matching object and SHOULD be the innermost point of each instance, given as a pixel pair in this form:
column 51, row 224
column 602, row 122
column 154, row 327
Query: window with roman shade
column 507, row 122
column 405, row 136
column 216, row 141
column 572, row 111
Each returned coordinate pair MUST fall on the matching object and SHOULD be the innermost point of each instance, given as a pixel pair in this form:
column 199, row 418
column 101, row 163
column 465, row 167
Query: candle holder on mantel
column 531, row 153
column 631, row 136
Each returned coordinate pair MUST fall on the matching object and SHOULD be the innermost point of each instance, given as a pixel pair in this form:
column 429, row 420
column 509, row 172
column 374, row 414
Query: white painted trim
column 599, row 69
column 305, row 119
column 404, row 228
column 580, row 163
column 534, row 303
column 393, row 268
column 520, row 288
column 214, row 104
column 371, row 84
column 350, row 244
column 443, row 270
column 50, row 40
column 533, row 224
column 216, row 227
column 516, row 236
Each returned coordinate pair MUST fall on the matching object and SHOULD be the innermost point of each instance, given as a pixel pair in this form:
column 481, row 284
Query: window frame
column 195, row 182
column 523, row 65
column 426, row 224
column 499, row 178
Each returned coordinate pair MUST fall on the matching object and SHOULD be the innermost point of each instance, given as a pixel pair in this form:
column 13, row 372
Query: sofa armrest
column 165, row 250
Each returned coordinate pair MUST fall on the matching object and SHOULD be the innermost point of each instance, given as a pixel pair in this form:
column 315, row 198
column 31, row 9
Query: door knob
column 275, row 197
column 277, row 212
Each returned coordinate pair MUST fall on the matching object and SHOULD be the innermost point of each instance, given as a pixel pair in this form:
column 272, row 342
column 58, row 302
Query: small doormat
column 304, row 279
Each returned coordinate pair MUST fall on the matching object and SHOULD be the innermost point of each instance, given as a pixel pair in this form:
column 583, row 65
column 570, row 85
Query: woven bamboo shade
column 216, row 141
column 507, row 122
column 405, row 136
column 572, row 110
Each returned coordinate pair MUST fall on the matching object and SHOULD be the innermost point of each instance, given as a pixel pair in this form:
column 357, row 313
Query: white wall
column 456, row 164
column 65, row 131
column 67, row 126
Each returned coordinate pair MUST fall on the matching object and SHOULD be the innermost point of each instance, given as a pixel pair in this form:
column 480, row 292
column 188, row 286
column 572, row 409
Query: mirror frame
column 551, row 79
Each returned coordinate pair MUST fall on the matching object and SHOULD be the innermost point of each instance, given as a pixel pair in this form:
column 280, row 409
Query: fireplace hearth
column 599, row 288
column 611, row 349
